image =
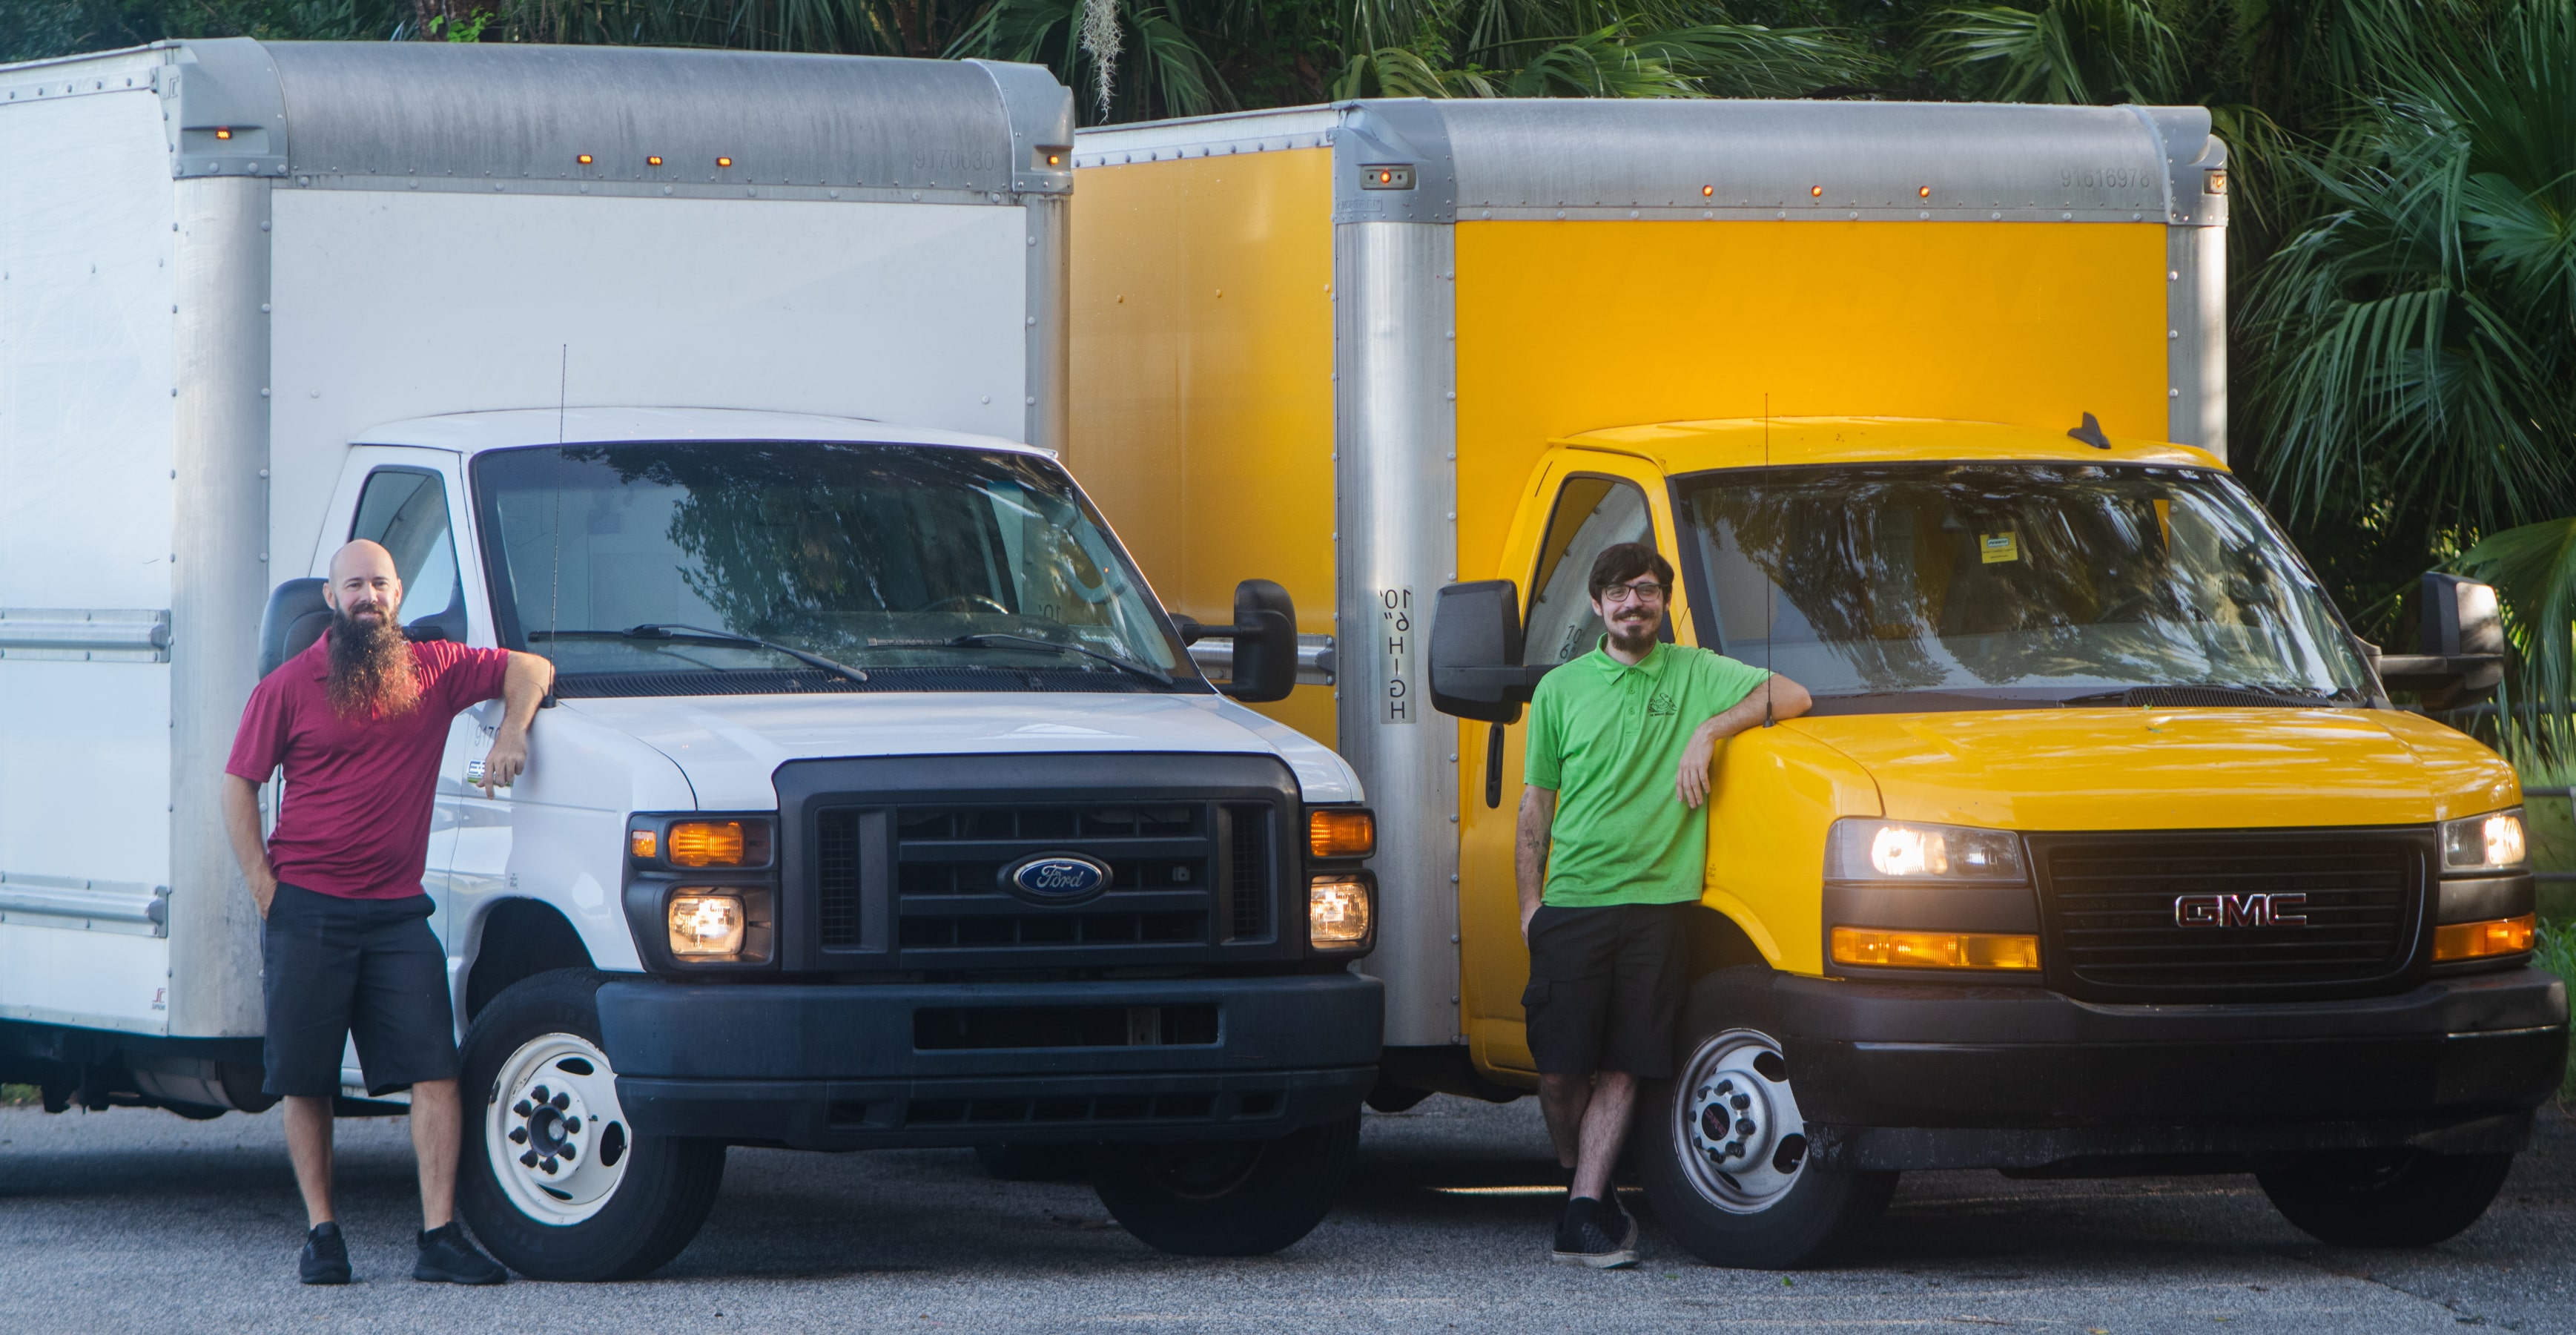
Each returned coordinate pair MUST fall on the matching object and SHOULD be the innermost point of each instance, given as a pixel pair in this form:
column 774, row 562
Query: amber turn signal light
column 643, row 844
column 1934, row 950
column 718, row 843
column 2479, row 940
column 1341, row 834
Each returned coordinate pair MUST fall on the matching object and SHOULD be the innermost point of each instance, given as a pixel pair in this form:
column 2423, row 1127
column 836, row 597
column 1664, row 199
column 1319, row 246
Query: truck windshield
column 2060, row 583
column 661, row 569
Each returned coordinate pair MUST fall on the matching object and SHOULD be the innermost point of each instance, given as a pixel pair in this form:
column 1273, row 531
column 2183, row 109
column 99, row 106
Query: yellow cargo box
column 2103, row 846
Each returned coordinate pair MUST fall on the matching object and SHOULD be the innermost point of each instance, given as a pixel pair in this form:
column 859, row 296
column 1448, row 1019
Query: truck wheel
column 1722, row 1153
column 1228, row 1198
column 554, row 1181
column 2386, row 1198
column 1036, row 1163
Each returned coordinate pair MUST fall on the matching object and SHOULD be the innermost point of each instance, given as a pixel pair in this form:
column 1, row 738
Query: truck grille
column 2109, row 902
column 893, row 863
column 1178, row 872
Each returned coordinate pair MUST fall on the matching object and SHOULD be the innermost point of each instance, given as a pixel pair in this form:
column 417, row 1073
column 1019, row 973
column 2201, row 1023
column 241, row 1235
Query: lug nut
column 1740, row 1102
column 539, row 1094
column 518, row 1135
column 1724, row 1086
column 563, row 1101
column 1735, row 1149
column 523, row 1108
column 568, row 1152
column 528, row 1160
column 549, row 1166
column 1744, row 1126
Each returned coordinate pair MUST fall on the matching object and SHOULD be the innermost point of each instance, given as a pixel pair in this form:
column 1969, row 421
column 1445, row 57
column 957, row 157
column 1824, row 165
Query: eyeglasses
column 1644, row 591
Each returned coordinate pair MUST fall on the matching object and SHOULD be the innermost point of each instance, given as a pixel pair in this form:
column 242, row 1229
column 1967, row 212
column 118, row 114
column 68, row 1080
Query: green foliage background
column 2402, row 258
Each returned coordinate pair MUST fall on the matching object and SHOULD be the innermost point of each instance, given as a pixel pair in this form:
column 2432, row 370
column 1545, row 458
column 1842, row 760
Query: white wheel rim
column 557, row 1140
column 1737, row 1130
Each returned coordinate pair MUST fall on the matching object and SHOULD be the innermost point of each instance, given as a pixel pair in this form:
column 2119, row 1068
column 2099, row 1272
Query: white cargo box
column 222, row 262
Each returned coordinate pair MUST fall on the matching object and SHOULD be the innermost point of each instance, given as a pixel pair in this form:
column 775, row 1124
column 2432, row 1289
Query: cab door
column 1586, row 501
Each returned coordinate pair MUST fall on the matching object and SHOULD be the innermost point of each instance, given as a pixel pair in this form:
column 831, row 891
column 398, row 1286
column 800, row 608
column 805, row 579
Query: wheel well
column 1717, row 943
column 521, row 938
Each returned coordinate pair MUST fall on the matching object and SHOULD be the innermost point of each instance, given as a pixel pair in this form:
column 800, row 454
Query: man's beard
column 1634, row 637
column 372, row 670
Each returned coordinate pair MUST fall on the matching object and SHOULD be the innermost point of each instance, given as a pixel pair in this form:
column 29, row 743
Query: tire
column 1721, row 1147
column 2386, row 1198
column 1036, row 1163
column 1228, row 1198
column 617, row 1205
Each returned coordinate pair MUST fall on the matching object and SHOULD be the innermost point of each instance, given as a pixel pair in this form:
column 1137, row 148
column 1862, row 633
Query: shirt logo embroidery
column 1660, row 704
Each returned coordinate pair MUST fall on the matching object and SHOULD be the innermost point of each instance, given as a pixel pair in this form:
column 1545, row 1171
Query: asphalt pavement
column 133, row 1220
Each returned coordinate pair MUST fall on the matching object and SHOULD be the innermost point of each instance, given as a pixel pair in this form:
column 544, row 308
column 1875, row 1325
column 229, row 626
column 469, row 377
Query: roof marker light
column 652, row 162
column 584, row 159
column 1816, row 190
column 1706, row 191
column 223, row 133
column 724, row 162
column 1924, row 192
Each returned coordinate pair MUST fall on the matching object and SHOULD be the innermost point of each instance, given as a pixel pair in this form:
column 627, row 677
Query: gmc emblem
column 2275, row 910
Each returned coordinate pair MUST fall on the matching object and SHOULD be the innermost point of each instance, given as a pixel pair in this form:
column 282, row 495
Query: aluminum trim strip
column 84, row 635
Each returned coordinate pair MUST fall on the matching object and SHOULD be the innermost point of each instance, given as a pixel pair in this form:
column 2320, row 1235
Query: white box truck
column 729, row 382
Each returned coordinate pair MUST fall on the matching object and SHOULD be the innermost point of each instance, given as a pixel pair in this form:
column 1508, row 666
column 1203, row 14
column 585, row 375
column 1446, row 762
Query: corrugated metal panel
column 387, row 115
column 1828, row 159
column 1874, row 161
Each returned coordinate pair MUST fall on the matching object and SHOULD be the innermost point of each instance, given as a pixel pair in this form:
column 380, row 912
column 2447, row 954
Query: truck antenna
column 1771, row 588
column 554, row 576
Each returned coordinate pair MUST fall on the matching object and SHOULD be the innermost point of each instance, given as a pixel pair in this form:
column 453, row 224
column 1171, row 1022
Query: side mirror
column 1476, row 670
column 295, row 617
column 1264, row 659
column 2461, row 656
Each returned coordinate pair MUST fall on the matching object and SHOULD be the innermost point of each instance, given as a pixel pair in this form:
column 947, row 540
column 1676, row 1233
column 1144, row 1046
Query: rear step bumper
column 2020, row 1078
column 818, row 1066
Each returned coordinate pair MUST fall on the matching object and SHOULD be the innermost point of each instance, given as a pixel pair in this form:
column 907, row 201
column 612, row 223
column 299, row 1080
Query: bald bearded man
column 359, row 721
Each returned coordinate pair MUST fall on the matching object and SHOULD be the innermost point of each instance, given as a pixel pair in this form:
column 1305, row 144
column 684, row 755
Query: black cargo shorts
column 365, row 968
column 1605, row 989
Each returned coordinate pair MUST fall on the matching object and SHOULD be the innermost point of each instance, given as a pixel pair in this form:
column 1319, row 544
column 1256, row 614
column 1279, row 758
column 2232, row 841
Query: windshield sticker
column 1998, row 547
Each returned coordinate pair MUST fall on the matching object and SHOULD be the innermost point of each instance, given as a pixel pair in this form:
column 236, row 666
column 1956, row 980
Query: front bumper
column 840, row 1067
column 1903, row 1076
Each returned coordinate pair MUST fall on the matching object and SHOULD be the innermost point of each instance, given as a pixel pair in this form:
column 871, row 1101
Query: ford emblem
column 1056, row 878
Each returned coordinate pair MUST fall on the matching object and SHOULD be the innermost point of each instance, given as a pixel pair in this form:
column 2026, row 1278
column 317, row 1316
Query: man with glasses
column 1611, row 851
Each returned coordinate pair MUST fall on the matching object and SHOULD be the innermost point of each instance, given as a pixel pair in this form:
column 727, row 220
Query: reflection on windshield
column 879, row 556
column 2070, row 579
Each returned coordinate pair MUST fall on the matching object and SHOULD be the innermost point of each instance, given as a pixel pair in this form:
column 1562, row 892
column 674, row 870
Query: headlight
column 2492, row 842
column 706, row 926
column 1337, row 912
column 1341, row 833
column 1887, row 850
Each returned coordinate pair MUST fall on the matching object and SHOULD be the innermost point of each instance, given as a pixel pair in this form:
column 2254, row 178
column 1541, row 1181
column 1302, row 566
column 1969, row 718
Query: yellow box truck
column 2103, row 849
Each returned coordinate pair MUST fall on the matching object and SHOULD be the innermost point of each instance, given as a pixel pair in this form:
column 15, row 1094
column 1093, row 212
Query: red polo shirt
column 358, row 792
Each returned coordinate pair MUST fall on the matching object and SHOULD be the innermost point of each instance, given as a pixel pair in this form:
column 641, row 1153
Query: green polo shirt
column 1609, row 739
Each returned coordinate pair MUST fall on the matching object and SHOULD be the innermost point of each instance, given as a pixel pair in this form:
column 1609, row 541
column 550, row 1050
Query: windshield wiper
column 661, row 630
column 980, row 639
column 2146, row 695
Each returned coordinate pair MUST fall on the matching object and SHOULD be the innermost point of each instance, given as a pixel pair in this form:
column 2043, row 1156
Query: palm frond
column 2533, row 569
column 2075, row 51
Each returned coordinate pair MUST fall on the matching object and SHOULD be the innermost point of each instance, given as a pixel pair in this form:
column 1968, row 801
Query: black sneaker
column 1595, row 1234
column 326, row 1256
column 447, row 1256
